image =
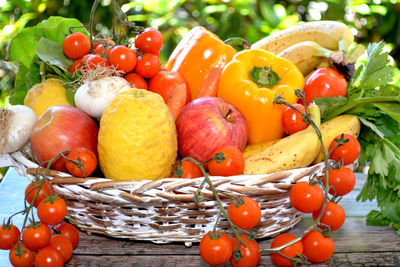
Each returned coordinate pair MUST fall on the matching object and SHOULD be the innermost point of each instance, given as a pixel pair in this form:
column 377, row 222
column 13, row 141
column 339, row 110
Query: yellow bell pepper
column 251, row 81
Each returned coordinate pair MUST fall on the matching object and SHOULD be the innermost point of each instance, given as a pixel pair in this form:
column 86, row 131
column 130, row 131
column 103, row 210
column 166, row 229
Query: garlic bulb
column 16, row 123
column 94, row 95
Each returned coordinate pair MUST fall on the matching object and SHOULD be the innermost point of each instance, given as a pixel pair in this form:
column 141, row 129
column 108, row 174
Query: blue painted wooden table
column 356, row 244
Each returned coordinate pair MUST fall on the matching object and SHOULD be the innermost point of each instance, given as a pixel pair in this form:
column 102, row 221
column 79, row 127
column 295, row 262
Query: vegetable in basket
column 251, row 81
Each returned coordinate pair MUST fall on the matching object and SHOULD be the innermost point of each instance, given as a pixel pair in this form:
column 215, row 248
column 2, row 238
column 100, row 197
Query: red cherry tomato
column 21, row 256
column 136, row 81
column 233, row 164
column 186, row 169
column 32, row 188
column 149, row 41
column 76, row 45
column 341, row 180
column 51, row 211
column 100, row 49
column 69, row 231
column 346, row 153
column 9, row 235
column 316, row 247
column 245, row 216
column 215, row 250
column 123, row 58
column 289, row 251
column 87, row 162
column 306, row 198
column 164, row 83
column 324, row 82
column 77, row 65
column 93, row 61
column 49, row 257
column 62, row 244
column 292, row 120
column 251, row 253
column 105, row 42
column 148, row 65
column 36, row 237
column 333, row 216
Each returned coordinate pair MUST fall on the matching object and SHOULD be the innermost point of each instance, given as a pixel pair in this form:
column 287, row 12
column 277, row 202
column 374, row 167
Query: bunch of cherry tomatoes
column 44, row 242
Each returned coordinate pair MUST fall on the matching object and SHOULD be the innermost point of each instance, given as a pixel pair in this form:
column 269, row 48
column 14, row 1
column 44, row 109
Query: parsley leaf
column 375, row 100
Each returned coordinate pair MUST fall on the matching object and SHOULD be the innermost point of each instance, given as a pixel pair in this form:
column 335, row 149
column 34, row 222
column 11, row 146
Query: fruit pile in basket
column 99, row 105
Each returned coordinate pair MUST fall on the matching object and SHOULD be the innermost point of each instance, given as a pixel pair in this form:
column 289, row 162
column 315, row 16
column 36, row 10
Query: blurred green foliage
column 371, row 20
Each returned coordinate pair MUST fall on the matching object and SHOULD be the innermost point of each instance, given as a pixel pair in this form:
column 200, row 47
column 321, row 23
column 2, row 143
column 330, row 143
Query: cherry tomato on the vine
column 104, row 42
column 233, row 164
column 87, row 162
column 215, row 250
column 69, row 231
column 324, row 82
column 21, row 256
column 9, row 234
column 149, row 41
column 148, row 65
column 136, row 81
column 316, row 247
column 36, row 236
column 62, row 244
column 306, row 198
column 75, row 66
column 76, row 45
column 292, row 120
column 250, row 254
column 334, row 216
column 186, row 169
column 246, row 215
column 93, row 61
column 52, row 210
column 123, row 58
column 289, row 251
column 30, row 192
column 346, row 153
column 341, row 180
column 164, row 83
column 100, row 49
column 49, row 257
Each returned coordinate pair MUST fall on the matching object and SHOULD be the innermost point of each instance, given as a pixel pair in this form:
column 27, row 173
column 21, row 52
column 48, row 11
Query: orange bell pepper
column 251, row 81
column 199, row 52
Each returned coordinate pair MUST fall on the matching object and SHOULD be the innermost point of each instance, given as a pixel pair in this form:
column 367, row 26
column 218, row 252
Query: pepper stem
column 264, row 76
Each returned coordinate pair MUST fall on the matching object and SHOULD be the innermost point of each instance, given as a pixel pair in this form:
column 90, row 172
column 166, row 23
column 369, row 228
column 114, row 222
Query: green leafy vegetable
column 39, row 43
column 376, row 102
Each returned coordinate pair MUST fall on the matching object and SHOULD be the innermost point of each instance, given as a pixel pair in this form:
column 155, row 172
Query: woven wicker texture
column 163, row 211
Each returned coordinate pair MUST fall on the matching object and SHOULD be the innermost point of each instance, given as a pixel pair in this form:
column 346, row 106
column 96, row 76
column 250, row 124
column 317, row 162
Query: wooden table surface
column 356, row 244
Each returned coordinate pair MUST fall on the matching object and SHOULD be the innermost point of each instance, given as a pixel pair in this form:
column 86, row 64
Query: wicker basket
column 163, row 211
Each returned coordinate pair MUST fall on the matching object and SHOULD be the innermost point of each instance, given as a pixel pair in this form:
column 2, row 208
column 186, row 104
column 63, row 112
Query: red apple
column 207, row 124
column 62, row 128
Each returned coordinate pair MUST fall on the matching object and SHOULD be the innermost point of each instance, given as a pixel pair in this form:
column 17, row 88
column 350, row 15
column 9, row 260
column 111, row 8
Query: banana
column 347, row 124
column 250, row 150
column 306, row 55
column 323, row 64
column 294, row 151
column 328, row 34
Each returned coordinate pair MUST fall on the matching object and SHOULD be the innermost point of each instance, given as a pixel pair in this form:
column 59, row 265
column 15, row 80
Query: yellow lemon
column 44, row 95
column 137, row 137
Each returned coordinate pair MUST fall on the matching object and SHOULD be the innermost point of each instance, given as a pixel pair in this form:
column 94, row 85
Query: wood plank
column 354, row 236
column 341, row 259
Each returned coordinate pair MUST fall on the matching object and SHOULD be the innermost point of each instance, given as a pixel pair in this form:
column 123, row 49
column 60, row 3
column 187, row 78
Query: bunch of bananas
column 309, row 46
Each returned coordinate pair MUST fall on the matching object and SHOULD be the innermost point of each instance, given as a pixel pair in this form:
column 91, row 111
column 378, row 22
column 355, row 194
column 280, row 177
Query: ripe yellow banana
column 306, row 55
column 250, row 150
column 347, row 124
column 328, row 34
column 294, row 151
